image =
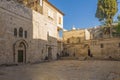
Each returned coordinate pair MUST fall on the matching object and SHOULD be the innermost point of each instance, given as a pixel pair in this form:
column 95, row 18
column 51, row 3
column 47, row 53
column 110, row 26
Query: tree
column 118, row 28
column 106, row 10
column 118, row 17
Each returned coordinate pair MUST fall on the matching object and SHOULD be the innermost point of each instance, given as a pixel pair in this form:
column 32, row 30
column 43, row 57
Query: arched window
column 20, row 32
column 15, row 32
column 25, row 34
column 21, row 45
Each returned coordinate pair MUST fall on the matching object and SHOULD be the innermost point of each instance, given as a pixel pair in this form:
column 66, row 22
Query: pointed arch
column 19, row 51
column 20, row 32
column 15, row 32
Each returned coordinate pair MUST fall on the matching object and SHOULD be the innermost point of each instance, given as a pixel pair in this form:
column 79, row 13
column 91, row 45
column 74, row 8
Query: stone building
column 76, row 42
column 29, row 31
column 79, row 43
column 103, row 45
column 105, row 48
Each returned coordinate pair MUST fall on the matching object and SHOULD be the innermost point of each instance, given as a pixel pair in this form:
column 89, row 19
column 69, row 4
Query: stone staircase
column 82, row 58
column 78, row 58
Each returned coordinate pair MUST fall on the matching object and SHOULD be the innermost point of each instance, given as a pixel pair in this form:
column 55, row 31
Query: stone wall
column 78, row 49
column 106, row 48
column 76, row 42
column 73, row 36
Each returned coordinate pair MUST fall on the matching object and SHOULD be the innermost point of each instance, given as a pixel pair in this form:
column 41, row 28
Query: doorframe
column 50, row 53
column 16, row 47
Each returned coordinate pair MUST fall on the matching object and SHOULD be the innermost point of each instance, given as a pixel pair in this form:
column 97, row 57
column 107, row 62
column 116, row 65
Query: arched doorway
column 20, row 51
column 21, row 56
column 49, row 53
column 89, row 53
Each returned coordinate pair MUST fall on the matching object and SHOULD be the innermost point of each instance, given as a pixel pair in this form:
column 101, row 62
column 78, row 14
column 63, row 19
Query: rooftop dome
column 73, row 28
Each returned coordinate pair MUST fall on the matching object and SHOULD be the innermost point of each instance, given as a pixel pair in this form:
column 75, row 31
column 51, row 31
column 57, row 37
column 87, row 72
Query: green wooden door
column 20, row 56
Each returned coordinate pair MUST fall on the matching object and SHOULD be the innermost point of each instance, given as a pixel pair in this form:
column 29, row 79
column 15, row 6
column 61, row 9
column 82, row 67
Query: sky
column 79, row 13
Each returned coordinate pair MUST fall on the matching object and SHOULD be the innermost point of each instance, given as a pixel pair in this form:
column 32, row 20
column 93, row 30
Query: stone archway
column 89, row 52
column 20, row 51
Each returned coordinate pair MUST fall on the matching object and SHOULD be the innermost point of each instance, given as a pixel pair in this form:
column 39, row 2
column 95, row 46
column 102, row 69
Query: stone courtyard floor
column 63, row 70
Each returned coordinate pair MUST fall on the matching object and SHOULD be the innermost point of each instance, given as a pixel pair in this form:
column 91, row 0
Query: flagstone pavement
column 63, row 70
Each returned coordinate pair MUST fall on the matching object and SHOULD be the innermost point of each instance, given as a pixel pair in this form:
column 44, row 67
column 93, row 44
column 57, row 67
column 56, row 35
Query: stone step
column 69, row 58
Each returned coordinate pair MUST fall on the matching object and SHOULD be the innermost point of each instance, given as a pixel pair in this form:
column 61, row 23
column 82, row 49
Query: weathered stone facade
column 76, row 42
column 76, row 36
column 27, row 35
column 76, row 45
column 105, row 48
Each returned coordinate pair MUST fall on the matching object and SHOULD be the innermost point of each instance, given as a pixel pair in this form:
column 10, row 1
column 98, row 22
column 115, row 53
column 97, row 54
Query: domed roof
column 73, row 28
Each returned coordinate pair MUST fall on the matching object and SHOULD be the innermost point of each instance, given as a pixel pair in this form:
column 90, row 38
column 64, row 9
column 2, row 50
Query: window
column 42, row 51
column 79, row 40
column 35, row 5
column 102, row 46
column 20, row 32
column 21, row 45
column 25, row 34
column 60, row 20
column 68, row 40
column 119, row 44
column 15, row 32
column 48, row 36
column 41, row 2
column 50, row 13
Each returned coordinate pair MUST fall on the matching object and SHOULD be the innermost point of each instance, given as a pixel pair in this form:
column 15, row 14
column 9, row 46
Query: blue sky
column 80, row 13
